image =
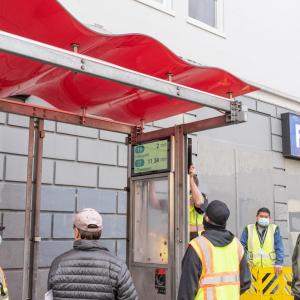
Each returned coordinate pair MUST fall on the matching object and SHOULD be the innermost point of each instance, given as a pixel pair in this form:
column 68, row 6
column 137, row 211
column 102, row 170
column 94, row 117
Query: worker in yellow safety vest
column 198, row 204
column 214, row 266
column 263, row 243
column 3, row 284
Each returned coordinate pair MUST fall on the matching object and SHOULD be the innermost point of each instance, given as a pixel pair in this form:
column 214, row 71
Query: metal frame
column 53, row 114
column 180, row 213
column 32, row 208
column 165, row 175
column 27, row 232
column 235, row 112
column 171, row 226
column 98, row 68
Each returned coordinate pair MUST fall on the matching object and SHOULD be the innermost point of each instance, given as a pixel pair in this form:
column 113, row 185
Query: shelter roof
column 48, row 22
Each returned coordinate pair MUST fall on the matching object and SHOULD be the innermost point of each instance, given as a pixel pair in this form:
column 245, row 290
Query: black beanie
column 218, row 212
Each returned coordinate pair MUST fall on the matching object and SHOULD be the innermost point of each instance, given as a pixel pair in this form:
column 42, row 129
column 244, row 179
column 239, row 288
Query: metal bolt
column 170, row 76
column 42, row 134
column 75, row 47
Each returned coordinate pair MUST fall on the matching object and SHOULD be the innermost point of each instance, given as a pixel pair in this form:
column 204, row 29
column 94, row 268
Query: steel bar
column 98, row 68
column 187, row 128
column 26, row 250
column 53, row 114
column 128, row 208
column 181, row 226
column 155, row 135
column 36, row 205
column 206, row 124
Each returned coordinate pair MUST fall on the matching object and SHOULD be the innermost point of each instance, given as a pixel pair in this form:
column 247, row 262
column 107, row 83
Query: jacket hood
column 219, row 237
column 87, row 245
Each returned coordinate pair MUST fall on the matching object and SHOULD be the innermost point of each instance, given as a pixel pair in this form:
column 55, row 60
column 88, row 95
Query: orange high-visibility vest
column 220, row 278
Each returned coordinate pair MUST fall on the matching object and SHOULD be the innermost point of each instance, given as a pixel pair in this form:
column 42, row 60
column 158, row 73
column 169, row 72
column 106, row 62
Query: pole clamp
column 238, row 112
column 133, row 137
column 37, row 239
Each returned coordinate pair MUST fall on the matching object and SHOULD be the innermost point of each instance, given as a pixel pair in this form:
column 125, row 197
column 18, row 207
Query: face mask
column 264, row 222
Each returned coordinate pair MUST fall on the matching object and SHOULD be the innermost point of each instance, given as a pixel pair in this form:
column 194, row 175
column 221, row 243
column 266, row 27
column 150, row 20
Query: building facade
column 242, row 164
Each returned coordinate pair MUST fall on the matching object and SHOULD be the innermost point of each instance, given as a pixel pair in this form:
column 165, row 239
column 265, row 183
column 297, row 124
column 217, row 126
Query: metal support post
column 128, row 201
column 26, row 251
column 181, row 228
column 36, row 204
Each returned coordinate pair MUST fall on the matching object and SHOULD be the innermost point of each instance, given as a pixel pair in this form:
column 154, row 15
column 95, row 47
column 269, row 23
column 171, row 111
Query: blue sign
column 291, row 135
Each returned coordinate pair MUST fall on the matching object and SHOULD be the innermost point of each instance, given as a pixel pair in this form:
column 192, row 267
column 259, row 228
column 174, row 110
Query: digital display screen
column 150, row 157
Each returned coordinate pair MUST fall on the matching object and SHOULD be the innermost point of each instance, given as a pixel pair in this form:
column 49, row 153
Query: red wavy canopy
column 48, row 22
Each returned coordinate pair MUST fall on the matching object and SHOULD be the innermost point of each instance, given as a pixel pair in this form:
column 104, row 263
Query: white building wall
column 260, row 41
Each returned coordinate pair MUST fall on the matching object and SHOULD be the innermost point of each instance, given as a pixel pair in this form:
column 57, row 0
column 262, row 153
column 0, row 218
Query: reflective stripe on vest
column 261, row 255
column 196, row 220
column 220, row 277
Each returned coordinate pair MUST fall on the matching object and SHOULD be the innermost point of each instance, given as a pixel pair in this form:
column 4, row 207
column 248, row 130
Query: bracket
column 133, row 137
column 238, row 112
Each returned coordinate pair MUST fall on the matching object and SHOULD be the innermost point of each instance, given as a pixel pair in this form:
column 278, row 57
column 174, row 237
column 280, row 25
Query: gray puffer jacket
column 90, row 271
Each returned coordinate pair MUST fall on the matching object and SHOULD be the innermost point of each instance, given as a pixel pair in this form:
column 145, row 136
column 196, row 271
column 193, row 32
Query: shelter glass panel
column 151, row 221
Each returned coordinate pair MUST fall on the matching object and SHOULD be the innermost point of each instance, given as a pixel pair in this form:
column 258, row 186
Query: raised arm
column 197, row 197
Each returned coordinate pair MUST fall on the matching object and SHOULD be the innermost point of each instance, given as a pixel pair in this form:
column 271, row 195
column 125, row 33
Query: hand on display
column 192, row 170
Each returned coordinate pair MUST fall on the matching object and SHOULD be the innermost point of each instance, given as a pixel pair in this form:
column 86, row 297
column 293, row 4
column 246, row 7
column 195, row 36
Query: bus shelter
column 116, row 83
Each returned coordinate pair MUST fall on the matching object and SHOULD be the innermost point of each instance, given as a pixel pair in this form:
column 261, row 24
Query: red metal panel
column 47, row 21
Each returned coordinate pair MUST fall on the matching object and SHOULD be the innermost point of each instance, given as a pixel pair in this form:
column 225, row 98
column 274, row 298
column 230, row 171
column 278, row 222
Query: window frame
column 166, row 6
column 219, row 28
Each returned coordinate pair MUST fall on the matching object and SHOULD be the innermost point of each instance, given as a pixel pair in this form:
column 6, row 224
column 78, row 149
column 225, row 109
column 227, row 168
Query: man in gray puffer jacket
column 89, row 270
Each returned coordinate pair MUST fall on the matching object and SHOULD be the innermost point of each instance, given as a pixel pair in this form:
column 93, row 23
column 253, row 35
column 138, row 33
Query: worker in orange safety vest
column 214, row 266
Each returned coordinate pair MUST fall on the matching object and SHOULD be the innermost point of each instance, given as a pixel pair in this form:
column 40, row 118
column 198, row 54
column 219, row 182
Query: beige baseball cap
column 88, row 219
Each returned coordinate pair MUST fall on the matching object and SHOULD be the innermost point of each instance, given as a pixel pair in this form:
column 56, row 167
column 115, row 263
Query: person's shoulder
column 62, row 257
column 298, row 240
column 248, row 226
column 275, row 228
column 104, row 254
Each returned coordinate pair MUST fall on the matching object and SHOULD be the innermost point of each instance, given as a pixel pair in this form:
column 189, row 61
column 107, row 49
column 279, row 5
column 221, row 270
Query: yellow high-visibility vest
column 261, row 255
column 196, row 221
column 220, row 278
column 3, row 287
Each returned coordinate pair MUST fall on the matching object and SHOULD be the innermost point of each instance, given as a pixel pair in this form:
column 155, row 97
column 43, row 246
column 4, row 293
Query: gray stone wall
column 82, row 167
column 243, row 165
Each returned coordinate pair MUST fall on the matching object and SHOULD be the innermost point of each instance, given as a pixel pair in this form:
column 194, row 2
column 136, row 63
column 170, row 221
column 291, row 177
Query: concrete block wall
column 82, row 167
column 261, row 134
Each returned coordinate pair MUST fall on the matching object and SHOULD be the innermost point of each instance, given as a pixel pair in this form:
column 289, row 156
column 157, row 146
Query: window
column 166, row 3
column 162, row 5
column 207, row 14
